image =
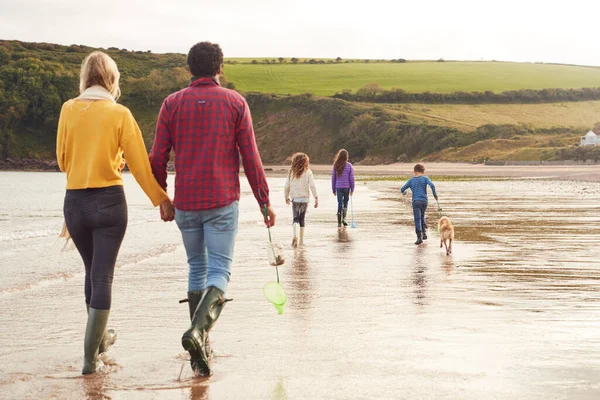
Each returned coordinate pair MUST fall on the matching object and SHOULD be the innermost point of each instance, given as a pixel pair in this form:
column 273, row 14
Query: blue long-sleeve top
column 418, row 187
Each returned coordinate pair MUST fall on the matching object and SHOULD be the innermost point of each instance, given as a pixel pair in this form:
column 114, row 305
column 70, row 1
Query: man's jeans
column 209, row 238
column 419, row 207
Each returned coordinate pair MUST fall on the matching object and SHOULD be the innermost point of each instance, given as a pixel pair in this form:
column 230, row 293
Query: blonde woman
column 298, row 186
column 93, row 133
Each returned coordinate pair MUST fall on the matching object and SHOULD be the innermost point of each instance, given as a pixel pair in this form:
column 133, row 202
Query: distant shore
column 29, row 164
column 590, row 173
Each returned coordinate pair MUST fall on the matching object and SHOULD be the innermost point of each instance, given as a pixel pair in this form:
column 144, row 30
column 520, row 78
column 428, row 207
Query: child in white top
column 298, row 186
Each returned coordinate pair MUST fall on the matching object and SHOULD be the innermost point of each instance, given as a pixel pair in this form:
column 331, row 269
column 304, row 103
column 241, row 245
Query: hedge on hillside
column 376, row 94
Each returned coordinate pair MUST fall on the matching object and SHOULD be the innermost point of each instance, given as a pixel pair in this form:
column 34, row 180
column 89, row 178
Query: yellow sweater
column 91, row 139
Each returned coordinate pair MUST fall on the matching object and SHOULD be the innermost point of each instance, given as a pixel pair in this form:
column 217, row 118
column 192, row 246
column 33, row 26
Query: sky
column 507, row 30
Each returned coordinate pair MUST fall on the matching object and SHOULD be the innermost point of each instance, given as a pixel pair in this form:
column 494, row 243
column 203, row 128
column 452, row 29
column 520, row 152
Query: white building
column 590, row 139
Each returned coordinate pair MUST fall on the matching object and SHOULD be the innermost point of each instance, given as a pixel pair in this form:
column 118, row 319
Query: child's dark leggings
column 97, row 219
column 419, row 207
column 299, row 210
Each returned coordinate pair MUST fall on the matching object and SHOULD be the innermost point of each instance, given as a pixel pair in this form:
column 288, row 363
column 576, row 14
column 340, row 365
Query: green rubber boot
column 94, row 331
column 344, row 213
column 205, row 316
column 109, row 338
column 193, row 301
column 339, row 216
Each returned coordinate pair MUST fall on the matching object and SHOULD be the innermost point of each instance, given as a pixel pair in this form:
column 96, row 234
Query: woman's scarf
column 96, row 92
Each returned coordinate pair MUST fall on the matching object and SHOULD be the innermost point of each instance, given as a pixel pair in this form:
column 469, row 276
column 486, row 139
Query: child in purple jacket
column 342, row 184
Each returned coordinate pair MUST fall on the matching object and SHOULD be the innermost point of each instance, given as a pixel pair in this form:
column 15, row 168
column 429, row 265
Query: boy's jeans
column 209, row 238
column 419, row 207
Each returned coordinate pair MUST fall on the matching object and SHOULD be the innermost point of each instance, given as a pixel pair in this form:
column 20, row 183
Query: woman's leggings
column 97, row 220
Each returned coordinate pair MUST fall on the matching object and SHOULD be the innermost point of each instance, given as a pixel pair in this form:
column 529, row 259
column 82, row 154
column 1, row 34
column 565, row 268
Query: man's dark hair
column 205, row 59
column 420, row 168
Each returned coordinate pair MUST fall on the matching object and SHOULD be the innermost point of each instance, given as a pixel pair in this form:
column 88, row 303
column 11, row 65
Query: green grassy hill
column 328, row 78
column 444, row 77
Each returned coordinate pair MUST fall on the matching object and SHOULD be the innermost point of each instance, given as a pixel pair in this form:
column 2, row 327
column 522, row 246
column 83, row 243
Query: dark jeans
column 97, row 220
column 299, row 210
column 419, row 207
column 343, row 196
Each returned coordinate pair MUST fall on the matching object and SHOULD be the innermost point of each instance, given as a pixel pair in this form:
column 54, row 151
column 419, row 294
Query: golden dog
column 446, row 234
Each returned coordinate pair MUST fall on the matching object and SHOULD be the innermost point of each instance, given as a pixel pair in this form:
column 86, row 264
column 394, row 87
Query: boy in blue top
column 418, row 186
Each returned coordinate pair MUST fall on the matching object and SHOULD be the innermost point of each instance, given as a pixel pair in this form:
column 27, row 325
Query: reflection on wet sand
column 302, row 287
column 96, row 386
column 343, row 236
column 200, row 391
column 419, row 267
column 447, row 263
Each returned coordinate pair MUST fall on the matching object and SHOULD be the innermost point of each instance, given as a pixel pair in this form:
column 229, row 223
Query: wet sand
column 513, row 313
column 590, row 173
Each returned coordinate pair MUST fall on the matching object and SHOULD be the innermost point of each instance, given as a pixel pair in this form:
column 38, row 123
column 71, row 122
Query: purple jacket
column 344, row 181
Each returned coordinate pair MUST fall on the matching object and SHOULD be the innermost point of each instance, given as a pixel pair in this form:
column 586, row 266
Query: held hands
column 167, row 211
column 269, row 217
column 123, row 163
column 288, row 201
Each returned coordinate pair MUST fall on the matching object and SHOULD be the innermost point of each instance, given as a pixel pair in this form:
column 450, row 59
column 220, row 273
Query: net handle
column 266, row 211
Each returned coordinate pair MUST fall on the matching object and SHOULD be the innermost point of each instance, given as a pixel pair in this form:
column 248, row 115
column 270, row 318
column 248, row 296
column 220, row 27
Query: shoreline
column 584, row 173
column 29, row 165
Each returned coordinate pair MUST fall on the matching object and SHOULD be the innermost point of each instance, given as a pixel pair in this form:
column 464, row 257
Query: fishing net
column 275, row 293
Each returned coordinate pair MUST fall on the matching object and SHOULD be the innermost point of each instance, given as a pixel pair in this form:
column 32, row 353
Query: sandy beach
column 511, row 314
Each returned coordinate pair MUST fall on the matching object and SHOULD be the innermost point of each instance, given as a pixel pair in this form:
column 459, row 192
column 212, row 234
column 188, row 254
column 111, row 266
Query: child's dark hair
column 205, row 59
column 420, row 168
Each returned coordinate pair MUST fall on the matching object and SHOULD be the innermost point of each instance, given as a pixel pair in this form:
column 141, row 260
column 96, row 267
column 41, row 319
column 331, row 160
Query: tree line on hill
column 293, row 60
column 32, row 92
column 374, row 93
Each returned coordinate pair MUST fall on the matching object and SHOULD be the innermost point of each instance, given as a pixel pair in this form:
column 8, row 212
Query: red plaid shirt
column 208, row 127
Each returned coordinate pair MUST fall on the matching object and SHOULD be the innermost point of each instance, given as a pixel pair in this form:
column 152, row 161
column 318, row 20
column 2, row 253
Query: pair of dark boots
column 205, row 307
column 342, row 218
column 421, row 236
column 97, row 338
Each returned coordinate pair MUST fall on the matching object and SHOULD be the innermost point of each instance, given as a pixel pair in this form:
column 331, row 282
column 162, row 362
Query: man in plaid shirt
column 208, row 127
